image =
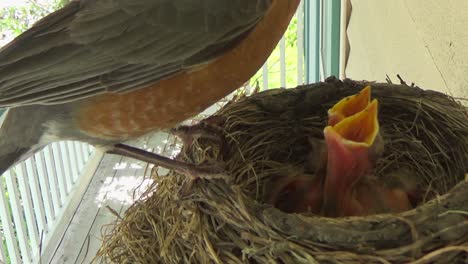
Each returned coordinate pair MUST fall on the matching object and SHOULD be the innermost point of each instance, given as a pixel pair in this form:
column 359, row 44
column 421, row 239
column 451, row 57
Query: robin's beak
column 349, row 106
column 348, row 143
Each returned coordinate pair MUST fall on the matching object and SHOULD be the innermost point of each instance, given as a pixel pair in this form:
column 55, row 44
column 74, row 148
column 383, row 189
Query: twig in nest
column 414, row 233
column 114, row 212
column 429, row 258
column 401, row 79
column 388, row 80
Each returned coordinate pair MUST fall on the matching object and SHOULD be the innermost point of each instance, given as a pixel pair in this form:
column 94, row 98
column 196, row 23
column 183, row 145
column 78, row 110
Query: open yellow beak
column 348, row 143
column 361, row 128
column 349, row 106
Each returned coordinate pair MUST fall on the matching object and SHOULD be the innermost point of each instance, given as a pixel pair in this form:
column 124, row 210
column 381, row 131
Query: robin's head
column 348, row 147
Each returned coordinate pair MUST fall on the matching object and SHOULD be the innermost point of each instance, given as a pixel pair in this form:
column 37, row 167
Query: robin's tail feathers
column 19, row 137
column 7, row 160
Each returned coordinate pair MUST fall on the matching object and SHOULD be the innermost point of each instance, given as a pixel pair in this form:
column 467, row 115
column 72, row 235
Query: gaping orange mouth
column 349, row 106
column 361, row 128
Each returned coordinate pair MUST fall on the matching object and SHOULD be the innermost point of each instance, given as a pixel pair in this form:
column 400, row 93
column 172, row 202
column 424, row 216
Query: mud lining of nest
column 226, row 221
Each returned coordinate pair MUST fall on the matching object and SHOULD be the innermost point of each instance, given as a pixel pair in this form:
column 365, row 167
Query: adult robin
column 107, row 71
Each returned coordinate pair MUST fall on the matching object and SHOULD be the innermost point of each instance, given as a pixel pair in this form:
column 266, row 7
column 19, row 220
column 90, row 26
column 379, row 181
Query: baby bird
column 301, row 192
column 342, row 183
column 297, row 193
column 349, row 187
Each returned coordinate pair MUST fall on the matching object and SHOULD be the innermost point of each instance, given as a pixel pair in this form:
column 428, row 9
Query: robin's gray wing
column 95, row 46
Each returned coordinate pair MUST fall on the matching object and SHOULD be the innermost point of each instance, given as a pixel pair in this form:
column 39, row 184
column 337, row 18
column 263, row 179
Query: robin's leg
column 190, row 170
column 210, row 128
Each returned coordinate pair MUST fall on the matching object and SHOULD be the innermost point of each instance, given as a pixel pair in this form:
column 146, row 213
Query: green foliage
column 274, row 67
column 15, row 20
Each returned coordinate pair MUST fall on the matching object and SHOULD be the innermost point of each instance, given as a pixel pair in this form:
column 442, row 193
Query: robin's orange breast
column 173, row 100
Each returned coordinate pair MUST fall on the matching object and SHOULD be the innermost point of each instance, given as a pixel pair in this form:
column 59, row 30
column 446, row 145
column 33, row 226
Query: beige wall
column 425, row 41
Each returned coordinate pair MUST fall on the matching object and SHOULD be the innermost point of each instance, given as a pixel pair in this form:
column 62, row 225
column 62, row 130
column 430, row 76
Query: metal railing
column 34, row 195
column 286, row 66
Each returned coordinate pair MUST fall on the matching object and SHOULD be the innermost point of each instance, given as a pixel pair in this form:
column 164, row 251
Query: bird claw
column 215, row 171
column 207, row 172
column 210, row 128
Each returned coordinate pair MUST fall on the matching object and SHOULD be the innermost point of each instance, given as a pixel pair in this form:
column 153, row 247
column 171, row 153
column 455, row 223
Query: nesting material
column 266, row 137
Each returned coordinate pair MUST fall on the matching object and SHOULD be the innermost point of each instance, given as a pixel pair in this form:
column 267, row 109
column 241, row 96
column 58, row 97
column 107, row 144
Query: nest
column 266, row 136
